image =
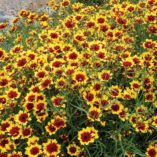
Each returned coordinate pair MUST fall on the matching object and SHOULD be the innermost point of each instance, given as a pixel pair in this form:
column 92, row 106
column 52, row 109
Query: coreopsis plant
column 81, row 82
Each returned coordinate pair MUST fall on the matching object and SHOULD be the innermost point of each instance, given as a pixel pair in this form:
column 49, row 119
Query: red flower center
column 41, row 74
column 3, row 82
column 15, row 155
column 26, row 132
column 34, row 151
column 14, row 131
column 29, row 106
column 23, row 117
column 54, row 35
column 89, row 96
column 80, row 77
column 141, row 126
column 95, row 47
column 69, row 24
column 31, row 98
column 72, row 149
column 105, row 76
column 94, row 114
column 21, row 62
column 152, row 153
column 52, row 147
column 73, row 55
column 46, row 83
column 57, row 64
column 1, row 54
column 115, row 107
column 12, row 94
column 86, row 136
column 115, row 92
column 51, row 128
column 57, row 101
column 127, row 64
column 59, row 123
column 101, row 20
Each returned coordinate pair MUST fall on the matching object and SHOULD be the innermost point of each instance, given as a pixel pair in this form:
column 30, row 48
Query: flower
column 87, row 135
column 105, row 75
column 80, row 77
column 22, row 118
column 65, row 3
column 57, row 63
column 70, row 23
column 64, row 78
column 4, row 81
column 13, row 93
column 116, row 107
column 73, row 149
column 32, row 140
column 15, row 154
column 21, row 62
column 14, row 131
column 154, row 123
column 45, row 83
column 26, row 132
column 3, row 25
column 89, row 96
column 50, row 128
column 59, row 122
column 135, row 85
column 151, row 151
column 115, row 91
column 141, row 127
column 2, row 54
column 57, row 101
column 51, row 147
column 94, row 114
column 127, row 63
column 33, row 150
column 53, row 34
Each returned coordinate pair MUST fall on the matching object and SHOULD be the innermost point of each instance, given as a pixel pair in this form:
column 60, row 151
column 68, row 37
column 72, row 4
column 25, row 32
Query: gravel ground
column 9, row 8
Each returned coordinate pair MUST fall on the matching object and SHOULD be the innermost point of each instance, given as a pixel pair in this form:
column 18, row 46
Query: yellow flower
column 33, row 150
column 73, row 149
column 94, row 114
column 151, row 151
column 50, row 128
column 60, row 83
column 15, row 154
column 80, row 77
column 87, row 135
column 116, row 107
column 22, row 117
column 2, row 54
column 115, row 91
column 14, row 131
column 105, row 75
column 141, row 127
column 129, row 94
column 57, row 101
column 65, row 3
column 100, row 19
column 127, row 63
column 51, row 147
column 32, row 140
column 154, row 123
column 135, row 85
column 53, row 35
column 89, row 96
